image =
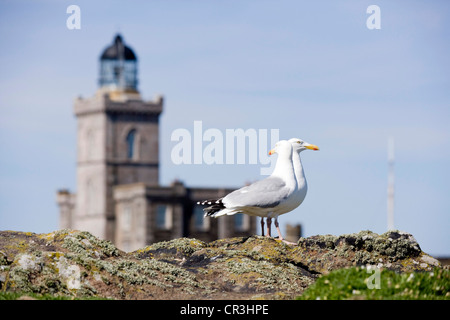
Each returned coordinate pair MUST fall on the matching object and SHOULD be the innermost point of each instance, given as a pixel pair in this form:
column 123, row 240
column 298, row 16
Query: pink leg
column 277, row 225
column 280, row 237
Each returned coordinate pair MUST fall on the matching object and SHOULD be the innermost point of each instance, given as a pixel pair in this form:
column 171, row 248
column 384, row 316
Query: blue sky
column 312, row 70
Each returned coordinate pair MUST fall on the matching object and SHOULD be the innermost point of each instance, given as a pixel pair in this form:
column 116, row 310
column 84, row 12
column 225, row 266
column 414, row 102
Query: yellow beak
column 312, row 147
column 271, row 152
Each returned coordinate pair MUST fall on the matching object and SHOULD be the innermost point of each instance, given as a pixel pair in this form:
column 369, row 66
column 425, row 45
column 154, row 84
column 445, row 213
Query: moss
column 352, row 283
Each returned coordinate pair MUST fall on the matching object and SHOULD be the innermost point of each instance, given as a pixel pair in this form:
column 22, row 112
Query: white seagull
column 298, row 145
column 283, row 191
column 297, row 197
column 269, row 197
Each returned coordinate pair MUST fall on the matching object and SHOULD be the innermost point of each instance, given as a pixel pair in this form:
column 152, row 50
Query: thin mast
column 390, row 188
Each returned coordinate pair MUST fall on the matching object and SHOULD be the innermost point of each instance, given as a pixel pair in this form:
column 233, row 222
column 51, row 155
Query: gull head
column 282, row 147
column 298, row 145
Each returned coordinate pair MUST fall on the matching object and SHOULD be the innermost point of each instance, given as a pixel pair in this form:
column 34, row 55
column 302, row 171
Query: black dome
column 118, row 51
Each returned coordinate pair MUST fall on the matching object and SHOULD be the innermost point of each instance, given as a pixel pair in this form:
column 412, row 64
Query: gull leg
column 269, row 224
column 262, row 226
column 280, row 237
column 277, row 225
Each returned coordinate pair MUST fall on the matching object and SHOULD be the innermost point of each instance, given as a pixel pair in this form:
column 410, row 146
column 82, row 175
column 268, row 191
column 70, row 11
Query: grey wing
column 265, row 193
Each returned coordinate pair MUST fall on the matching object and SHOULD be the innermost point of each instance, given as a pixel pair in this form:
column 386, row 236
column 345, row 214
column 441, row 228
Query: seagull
column 298, row 145
column 267, row 198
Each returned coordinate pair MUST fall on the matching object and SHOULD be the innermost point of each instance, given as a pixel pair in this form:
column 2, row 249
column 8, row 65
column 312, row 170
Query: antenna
column 390, row 188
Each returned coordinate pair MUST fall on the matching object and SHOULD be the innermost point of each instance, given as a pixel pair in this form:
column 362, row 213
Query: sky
column 309, row 69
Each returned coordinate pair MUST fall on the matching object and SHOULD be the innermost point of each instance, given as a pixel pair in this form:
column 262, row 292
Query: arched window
column 131, row 144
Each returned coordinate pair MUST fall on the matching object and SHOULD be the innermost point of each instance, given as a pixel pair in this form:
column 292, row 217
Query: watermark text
column 235, row 146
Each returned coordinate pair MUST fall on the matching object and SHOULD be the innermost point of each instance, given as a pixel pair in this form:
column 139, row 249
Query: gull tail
column 214, row 207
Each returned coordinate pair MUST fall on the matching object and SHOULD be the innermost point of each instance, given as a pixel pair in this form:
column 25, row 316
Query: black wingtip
column 214, row 205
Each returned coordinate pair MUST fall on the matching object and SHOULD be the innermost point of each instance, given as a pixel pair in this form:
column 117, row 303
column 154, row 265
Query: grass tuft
column 375, row 284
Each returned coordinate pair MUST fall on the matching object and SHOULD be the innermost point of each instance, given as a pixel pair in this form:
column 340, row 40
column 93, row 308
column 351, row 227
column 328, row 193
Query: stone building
column 118, row 194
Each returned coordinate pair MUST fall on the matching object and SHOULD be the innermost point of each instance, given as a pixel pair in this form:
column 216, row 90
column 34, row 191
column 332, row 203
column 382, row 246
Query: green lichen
column 74, row 263
column 49, row 272
column 86, row 243
column 330, row 252
column 3, row 259
column 266, row 275
column 183, row 246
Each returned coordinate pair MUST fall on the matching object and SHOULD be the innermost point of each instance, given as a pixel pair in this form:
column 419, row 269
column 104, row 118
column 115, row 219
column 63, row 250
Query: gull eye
column 299, row 141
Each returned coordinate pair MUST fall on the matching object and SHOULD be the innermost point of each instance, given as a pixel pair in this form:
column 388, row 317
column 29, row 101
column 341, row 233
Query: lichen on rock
column 75, row 263
column 393, row 250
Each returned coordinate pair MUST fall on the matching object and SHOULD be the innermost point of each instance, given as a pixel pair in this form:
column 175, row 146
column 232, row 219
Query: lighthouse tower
column 118, row 194
column 117, row 143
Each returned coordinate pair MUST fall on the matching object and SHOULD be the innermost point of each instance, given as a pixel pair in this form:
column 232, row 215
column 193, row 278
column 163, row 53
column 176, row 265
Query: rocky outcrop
column 76, row 263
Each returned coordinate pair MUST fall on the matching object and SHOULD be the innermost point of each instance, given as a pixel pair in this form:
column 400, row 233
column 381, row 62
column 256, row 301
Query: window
column 118, row 73
column 163, row 217
column 131, row 144
column 241, row 222
column 126, row 218
column 238, row 221
column 200, row 223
